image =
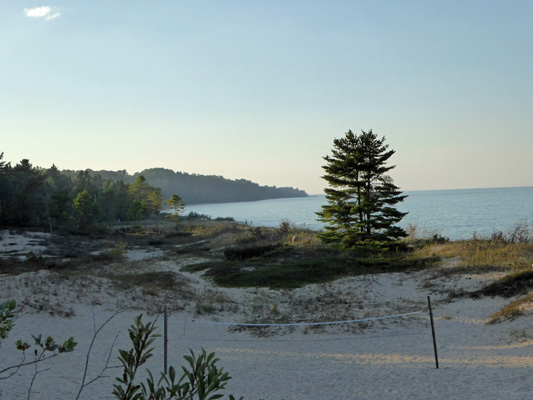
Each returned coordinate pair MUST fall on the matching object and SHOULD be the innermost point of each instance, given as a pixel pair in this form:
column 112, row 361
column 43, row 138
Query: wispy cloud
column 52, row 16
column 45, row 12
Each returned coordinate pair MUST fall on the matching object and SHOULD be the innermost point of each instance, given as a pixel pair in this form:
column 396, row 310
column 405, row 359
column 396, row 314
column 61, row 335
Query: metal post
column 433, row 333
column 165, row 339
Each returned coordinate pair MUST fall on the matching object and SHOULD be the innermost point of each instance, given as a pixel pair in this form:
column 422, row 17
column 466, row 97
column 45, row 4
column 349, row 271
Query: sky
column 259, row 90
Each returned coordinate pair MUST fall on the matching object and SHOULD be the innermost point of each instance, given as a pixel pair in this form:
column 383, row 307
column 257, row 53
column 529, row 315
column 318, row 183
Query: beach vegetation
column 361, row 195
column 202, row 378
column 7, row 318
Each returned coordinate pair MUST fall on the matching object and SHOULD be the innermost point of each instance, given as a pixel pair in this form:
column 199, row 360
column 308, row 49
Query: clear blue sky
column 259, row 89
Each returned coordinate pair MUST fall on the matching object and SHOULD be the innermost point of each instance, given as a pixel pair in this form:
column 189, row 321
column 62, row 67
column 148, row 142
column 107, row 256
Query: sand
column 384, row 359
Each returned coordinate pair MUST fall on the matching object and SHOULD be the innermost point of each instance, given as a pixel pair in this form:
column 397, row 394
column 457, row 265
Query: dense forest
column 87, row 200
column 194, row 189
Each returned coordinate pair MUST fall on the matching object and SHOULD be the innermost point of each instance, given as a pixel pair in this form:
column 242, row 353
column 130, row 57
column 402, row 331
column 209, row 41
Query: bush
column 195, row 215
column 201, row 380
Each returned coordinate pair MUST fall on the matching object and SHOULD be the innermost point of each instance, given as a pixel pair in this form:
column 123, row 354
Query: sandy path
column 389, row 360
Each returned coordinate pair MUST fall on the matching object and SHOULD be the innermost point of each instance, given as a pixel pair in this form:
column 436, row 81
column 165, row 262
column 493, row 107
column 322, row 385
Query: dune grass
column 512, row 310
column 483, row 255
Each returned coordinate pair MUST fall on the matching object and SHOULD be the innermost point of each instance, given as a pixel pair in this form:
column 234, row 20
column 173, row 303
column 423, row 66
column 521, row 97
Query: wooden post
column 433, row 333
column 165, row 339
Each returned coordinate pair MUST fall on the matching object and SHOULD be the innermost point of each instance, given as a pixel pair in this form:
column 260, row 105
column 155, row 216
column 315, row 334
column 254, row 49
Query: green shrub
column 225, row 219
column 195, row 215
column 200, row 380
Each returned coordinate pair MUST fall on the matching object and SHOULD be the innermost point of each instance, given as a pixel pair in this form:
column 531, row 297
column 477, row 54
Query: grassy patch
column 287, row 275
column 293, row 269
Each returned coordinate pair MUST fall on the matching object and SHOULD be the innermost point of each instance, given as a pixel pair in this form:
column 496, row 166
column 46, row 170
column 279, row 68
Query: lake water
column 456, row 214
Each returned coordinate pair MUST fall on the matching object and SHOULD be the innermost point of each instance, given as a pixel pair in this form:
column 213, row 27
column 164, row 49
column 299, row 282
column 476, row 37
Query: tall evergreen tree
column 58, row 198
column 28, row 205
column 176, row 204
column 361, row 197
column 5, row 187
column 85, row 210
column 147, row 200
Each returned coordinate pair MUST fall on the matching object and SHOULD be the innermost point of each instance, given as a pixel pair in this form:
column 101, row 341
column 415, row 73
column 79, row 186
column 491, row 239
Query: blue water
column 456, row 214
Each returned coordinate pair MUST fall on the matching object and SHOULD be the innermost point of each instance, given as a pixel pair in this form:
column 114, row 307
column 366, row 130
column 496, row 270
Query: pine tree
column 147, row 200
column 175, row 203
column 361, row 197
column 85, row 209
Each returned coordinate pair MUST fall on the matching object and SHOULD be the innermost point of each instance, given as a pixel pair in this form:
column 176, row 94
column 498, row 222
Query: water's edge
column 456, row 214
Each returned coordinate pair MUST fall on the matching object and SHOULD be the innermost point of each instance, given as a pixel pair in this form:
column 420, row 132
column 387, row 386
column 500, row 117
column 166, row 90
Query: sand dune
column 385, row 359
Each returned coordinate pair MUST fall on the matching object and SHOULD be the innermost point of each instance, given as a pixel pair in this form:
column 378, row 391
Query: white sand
column 390, row 359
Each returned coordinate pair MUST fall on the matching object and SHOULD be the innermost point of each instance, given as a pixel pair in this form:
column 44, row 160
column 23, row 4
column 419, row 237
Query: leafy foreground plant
column 7, row 318
column 201, row 381
column 44, row 349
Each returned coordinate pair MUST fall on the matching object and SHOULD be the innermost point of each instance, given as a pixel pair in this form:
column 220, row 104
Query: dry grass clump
column 291, row 234
column 287, row 233
column 513, row 309
column 212, row 301
column 479, row 256
column 209, row 228
column 416, row 232
column 505, row 252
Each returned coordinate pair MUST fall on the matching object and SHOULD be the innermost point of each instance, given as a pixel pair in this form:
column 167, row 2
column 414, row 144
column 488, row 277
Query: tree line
column 47, row 198
column 80, row 200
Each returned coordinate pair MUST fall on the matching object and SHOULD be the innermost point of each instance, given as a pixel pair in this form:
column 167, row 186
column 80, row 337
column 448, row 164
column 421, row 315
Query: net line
column 306, row 323
column 301, row 340
column 181, row 337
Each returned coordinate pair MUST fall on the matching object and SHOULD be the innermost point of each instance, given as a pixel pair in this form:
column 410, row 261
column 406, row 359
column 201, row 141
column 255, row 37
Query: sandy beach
column 375, row 359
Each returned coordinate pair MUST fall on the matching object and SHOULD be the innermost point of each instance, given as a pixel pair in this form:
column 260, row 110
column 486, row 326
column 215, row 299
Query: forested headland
column 87, row 200
column 195, row 189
